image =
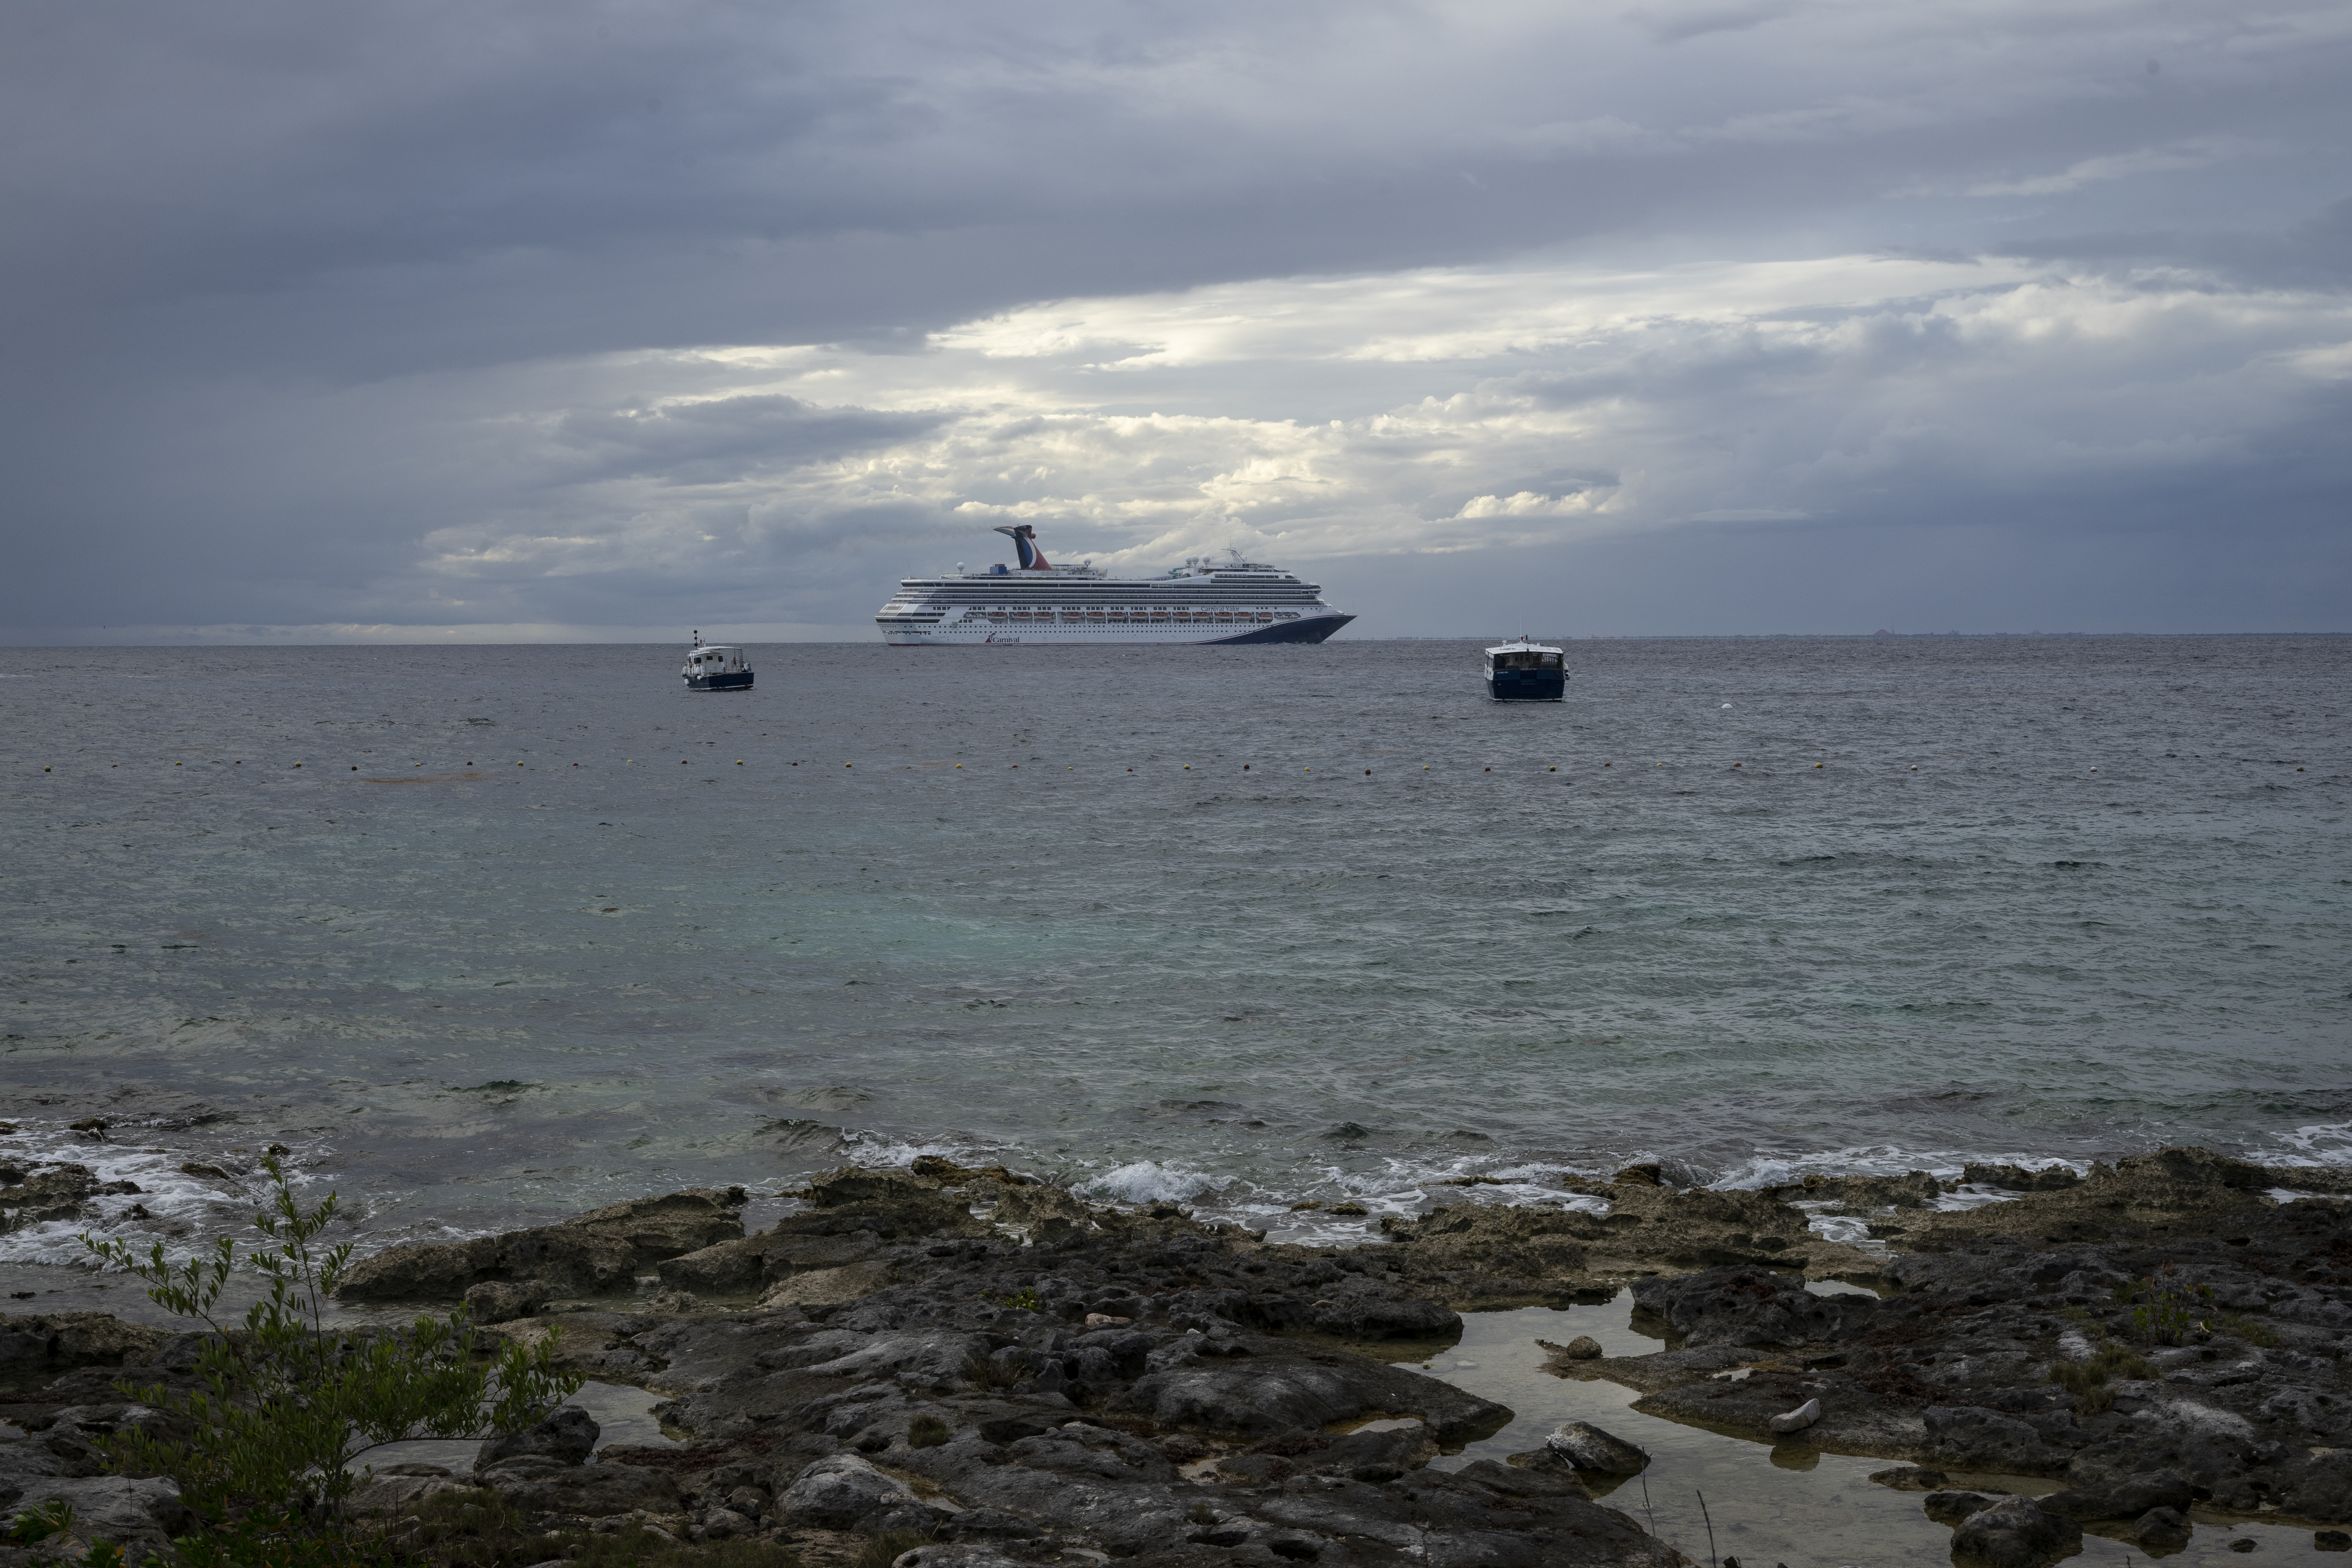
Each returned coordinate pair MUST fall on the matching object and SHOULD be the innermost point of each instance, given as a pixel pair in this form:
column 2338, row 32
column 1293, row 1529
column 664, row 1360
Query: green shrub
column 928, row 1432
column 1022, row 1301
column 285, row 1405
column 2167, row 1312
column 2253, row 1330
column 2088, row 1380
column 983, row 1372
column 39, row 1522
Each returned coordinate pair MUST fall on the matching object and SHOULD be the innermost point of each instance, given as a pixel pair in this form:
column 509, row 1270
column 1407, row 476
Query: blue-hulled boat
column 1526, row 671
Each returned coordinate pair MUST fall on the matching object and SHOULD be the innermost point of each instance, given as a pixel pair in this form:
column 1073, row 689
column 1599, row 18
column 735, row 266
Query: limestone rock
column 1969, row 1437
column 57, row 1192
column 2173, row 1192
column 499, row 1302
column 1745, row 1306
column 869, row 1211
column 592, row 1491
column 1382, row 1456
column 2127, row 1498
column 1588, row 1447
column 844, row 1492
column 567, row 1436
column 1278, row 1388
column 1952, row 1507
column 829, row 1287
column 602, row 1250
column 2163, row 1528
column 1531, row 1243
column 2016, row 1179
column 956, row 1554
column 133, row 1511
column 1797, row 1420
column 1046, row 1214
column 1865, row 1194
column 2014, row 1534
column 889, row 1202
column 75, row 1339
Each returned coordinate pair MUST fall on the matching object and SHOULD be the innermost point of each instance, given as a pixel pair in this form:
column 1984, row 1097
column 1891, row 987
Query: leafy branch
column 284, row 1403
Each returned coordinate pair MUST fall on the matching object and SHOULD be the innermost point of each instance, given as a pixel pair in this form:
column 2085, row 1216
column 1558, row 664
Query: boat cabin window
column 1528, row 660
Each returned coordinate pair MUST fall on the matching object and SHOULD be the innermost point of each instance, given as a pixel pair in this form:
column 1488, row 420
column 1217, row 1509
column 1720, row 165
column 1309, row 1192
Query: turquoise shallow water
column 2108, row 909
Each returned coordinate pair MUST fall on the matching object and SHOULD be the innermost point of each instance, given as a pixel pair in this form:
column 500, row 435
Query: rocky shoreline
column 1018, row 1376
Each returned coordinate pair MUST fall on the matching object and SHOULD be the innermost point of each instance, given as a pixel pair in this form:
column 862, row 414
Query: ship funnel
column 1025, row 538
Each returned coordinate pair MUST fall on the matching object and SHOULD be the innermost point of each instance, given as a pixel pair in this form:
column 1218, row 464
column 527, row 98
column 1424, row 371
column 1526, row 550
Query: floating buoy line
column 1736, row 763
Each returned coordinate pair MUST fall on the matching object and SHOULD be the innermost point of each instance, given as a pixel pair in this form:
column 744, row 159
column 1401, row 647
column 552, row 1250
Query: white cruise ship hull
column 1034, row 634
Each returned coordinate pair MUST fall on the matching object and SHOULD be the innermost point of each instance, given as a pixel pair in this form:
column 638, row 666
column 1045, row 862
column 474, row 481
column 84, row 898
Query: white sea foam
column 181, row 1211
column 881, row 1150
column 1149, row 1181
column 1848, row 1228
column 1787, row 1170
column 2324, row 1143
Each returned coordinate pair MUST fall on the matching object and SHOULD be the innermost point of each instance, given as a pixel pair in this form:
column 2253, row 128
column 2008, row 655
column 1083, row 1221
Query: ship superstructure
column 1203, row 601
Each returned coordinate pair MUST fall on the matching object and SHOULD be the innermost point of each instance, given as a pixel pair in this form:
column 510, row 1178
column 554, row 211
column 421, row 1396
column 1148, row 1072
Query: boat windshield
column 1529, row 660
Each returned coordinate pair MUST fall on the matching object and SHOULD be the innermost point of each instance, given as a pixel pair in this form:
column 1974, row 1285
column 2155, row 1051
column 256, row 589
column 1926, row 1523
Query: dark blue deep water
column 533, row 928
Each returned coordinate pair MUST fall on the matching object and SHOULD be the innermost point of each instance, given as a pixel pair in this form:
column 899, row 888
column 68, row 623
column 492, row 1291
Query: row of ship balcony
column 1171, row 617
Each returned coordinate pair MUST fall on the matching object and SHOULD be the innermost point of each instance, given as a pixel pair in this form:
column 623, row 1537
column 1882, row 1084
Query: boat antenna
column 697, row 636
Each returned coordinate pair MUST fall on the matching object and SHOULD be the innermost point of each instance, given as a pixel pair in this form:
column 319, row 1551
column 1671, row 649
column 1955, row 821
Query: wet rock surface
column 2014, row 1534
column 603, row 1250
column 2160, row 1334
column 34, row 1342
column 37, row 1195
column 1017, row 1372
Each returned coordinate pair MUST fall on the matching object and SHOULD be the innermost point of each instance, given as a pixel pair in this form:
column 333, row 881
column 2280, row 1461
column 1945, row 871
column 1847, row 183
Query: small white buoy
column 1797, row 1420
column 1726, row 705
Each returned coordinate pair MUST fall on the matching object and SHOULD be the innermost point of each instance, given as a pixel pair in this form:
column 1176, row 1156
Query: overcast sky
column 500, row 322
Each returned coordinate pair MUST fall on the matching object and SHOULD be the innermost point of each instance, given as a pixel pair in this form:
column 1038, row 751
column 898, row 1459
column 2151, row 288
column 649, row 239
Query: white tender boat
column 1526, row 671
column 711, row 668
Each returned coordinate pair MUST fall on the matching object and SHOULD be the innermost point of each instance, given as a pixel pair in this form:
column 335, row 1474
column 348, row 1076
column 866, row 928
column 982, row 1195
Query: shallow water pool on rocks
column 624, row 1414
column 1786, row 1503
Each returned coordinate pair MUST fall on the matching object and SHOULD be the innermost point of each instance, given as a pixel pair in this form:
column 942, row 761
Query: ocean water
column 533, row 929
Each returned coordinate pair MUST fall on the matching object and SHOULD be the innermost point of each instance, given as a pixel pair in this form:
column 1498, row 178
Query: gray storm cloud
column 526, row 320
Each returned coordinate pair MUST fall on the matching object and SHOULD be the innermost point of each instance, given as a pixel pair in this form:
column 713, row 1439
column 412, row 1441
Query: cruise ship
column 1203, row 601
